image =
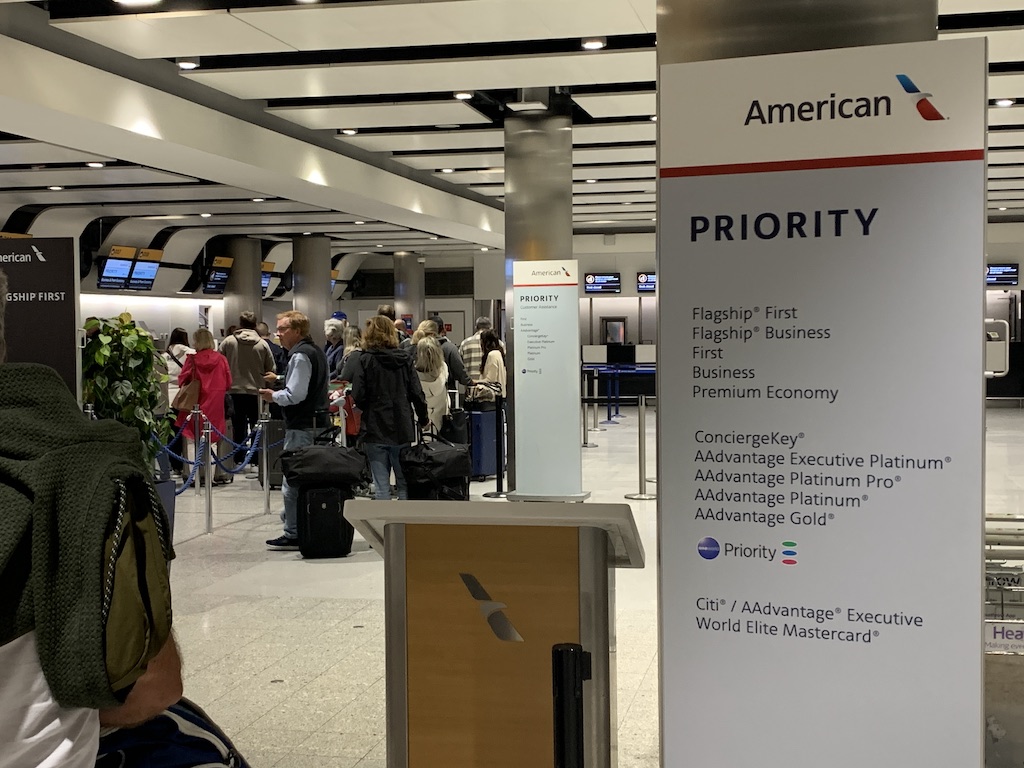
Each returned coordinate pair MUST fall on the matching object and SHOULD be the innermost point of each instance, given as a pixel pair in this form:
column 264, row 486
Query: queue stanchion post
column 499, row 449
column 194, row 425
column 608, row 399
column 265, row 457
column 616, row 382
column 586, row 433
column 643, row 495
column 208, row 459
column 595, row 426
column 652, row 478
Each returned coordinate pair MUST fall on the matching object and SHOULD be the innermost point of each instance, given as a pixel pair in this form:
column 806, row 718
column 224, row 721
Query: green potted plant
column 120, row 381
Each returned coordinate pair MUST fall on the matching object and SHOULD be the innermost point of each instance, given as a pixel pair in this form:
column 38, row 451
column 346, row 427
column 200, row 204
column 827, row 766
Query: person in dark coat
column 387, row 391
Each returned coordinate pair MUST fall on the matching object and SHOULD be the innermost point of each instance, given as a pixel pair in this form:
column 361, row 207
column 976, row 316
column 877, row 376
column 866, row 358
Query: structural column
column 243, row 292
column 311, row 281
column 538, row 211
column 410, row 287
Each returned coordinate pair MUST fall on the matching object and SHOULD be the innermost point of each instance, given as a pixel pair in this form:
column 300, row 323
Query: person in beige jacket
column 249, row 358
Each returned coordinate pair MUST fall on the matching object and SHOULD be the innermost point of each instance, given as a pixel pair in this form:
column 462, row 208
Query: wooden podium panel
column 485, row 603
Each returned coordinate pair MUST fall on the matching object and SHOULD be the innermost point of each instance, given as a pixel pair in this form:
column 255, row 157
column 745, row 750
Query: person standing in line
column 492, row 374
column 470, row 349
column 457, row 372
column 249, row 359
column 280, row 355
column 175, row 353
column 387, row 391
column 303, row 401
column 334, row 330
column 210, row 369
column 433, row 375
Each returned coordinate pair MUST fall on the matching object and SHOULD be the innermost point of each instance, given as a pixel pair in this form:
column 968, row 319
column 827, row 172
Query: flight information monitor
column 1002, row 274
column 115, row 274
column 602, row 282
column 217, row 277
column 646, row 282
column 143, row 275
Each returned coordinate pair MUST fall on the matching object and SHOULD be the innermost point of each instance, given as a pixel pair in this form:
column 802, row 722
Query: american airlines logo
column 493, row 611
column 925, row 108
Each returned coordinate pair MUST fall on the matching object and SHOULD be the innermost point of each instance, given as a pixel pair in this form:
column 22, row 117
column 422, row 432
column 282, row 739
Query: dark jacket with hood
column 387, row 390
column 61, row 476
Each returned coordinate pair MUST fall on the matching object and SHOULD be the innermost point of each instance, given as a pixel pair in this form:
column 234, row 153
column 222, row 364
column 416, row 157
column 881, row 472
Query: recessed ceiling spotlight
column 594, row 43
column 205, row 215
column 1002, row 209
column 350, row 131
column 96, row 164
column 654, row 118
column 463, row 95
column 485, row 249
column 379, row 245
column 654, row 218
column 360, row 222
column 433, row 237
column 591, row 181
column 627, row 202
column 447, row 170
column 1004, row 102
column 55, row 188
column 307, row 233
column 187, row 63
column 259, row 199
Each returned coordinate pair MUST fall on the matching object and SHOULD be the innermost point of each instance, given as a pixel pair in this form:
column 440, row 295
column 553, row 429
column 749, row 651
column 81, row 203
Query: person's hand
column 270, row 377
column 267, row 395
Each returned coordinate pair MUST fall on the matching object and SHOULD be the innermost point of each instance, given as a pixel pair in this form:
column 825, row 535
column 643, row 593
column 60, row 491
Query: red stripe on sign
column 825, row 162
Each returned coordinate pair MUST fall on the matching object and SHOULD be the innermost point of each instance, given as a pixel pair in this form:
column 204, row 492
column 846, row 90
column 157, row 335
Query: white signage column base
column 821, row 238
column 549, row 458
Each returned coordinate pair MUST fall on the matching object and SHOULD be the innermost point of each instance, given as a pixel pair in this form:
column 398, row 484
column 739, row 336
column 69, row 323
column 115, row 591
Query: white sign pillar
column 549, row 458
column 821, row 260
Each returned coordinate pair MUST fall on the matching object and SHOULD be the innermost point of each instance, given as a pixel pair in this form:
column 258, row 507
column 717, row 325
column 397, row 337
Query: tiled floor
column 288, row 655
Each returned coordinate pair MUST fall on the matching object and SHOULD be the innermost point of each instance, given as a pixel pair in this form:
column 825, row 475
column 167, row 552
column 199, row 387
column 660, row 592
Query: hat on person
column 339, row 315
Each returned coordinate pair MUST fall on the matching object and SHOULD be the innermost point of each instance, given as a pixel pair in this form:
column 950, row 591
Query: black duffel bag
column 434, row 459
column 455, row 427
column 324, row 466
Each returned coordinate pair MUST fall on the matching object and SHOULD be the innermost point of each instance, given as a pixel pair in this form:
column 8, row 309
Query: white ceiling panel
column 1006, row 115
column 71, row 177
column 615, row 172
column 385, row 25
column 1013, row 194
column 602, row 187
column 1017, row 183
column 430, row 76
column 646, row 208
column 1004, row 156
column 612, row 134
column 167, row 35
column 493, row 190
column 383, row 115
column 1005, row 139
column 125, row 194
column 618, row 104
column 455, row 161
column 1003, row 44
column 629, row 216
column 996, row 173
column 1006, row 86
column 430, row 141
column 616, row 155
column 976, row 6
column 634, row 197
column 474, row 177
column 36, row 152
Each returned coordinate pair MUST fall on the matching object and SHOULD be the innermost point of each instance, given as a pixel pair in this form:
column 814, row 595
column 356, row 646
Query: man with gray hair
column 470, row 349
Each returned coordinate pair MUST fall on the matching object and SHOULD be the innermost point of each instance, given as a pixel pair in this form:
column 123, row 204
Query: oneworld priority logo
column 789, row 553
column 924, row 107
column 708, row 548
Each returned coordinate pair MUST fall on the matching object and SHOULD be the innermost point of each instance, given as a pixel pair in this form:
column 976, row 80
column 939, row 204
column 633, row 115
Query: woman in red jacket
column 211, row 369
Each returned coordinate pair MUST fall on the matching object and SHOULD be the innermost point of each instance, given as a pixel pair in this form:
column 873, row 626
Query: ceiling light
column 591, row 181
column 654, row 118
column 379, row 245
column 447, row 170
column 654, row 218
column 55, row 188
column 1002, row 209
column 463, row 95
column 307, row 233
column 594, row 43
column 205, row 215
column 1004, row 102
column 136, row 3
column 350, row 131
column 96, row 164
column 360, row 222
column 259, row 199
column 433, row 237
column 485, row 249
column 627, row 202
column 187, row 63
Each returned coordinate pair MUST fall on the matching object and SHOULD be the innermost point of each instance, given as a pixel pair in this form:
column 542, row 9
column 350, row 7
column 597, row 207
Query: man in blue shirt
column 303, row 401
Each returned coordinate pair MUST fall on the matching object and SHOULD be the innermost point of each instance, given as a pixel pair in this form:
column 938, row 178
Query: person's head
column 439, row 323
column 352, row 339
column 426, row 328
column 379, row 334
column 231, row 329
column 334, row 330
column 483, row 323
column 247, row 320
column 386, row 310
column 489, row 343
column 203, row 339
column 263, row 330
column 400, row 326
column 3, row 312
column 178, row 336
column 292, row 327
column 429, row 357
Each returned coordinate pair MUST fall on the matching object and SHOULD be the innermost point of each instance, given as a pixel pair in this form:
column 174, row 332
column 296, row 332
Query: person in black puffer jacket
column 387, row 390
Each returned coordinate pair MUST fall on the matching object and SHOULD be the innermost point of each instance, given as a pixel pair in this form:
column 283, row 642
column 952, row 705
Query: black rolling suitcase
column 273, row 438
column 323, row 529
column 436, row 469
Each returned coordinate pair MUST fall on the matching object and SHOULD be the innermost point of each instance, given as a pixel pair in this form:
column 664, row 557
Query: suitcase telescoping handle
column 455, row 398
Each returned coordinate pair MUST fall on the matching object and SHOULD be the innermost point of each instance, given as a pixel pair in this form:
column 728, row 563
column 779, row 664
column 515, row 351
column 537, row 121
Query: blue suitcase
column 484, row 451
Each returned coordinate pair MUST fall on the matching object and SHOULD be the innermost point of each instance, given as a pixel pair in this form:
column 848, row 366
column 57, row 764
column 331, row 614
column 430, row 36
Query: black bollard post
column 499, row 449
column 570, row 666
